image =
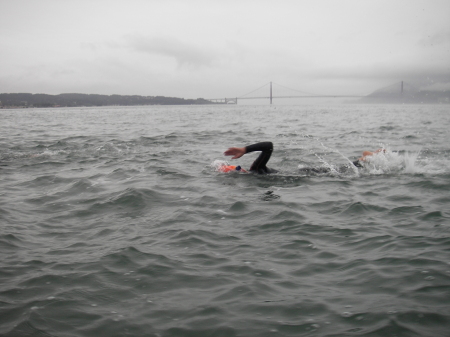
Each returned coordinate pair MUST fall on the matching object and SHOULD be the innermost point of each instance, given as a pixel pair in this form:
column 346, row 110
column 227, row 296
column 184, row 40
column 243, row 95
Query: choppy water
column 114, row 222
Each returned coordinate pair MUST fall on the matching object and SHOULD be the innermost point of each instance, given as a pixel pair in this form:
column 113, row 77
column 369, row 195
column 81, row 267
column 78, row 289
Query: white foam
column 409, row 160
column 217, row 164
column 391, row 162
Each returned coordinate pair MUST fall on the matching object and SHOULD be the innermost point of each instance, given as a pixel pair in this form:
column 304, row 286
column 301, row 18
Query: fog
column 214, row 49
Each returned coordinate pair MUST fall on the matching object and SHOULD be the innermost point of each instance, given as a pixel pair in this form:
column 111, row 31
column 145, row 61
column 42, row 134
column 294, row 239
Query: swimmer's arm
column 365, row 154
column 263, row 146
column 369, row 153
column 238, row 152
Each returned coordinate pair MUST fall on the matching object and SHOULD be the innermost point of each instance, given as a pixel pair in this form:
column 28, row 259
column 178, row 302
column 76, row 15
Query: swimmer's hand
column 237, row 152
column 369, row 153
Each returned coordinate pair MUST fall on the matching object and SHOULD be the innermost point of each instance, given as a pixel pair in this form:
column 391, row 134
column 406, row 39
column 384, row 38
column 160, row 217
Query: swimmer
column 230, row 168
column 260, row 164
column 360, row 161
column 369, row 153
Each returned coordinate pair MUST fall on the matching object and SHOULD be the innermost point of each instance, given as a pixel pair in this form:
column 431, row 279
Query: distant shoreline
column 28, row 100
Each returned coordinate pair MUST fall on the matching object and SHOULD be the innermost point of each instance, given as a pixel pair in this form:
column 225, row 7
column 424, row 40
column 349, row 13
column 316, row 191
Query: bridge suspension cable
column 251, row 92
column 303, row 92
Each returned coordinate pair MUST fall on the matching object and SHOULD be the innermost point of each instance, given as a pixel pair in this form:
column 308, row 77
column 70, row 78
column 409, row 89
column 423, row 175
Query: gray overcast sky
column 209, row 49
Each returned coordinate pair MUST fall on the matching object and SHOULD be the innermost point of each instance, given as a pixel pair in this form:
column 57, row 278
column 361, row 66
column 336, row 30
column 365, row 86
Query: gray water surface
column 114, row 222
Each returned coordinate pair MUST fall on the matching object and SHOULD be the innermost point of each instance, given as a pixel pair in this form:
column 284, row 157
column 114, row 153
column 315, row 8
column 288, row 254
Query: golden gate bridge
column 270, row 96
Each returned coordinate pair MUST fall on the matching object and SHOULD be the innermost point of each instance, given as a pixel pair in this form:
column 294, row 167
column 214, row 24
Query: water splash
column 335, row 170
column 327, row 165
column 410, row 160
column 382, row 162
column 218, row 164
column 388, row 161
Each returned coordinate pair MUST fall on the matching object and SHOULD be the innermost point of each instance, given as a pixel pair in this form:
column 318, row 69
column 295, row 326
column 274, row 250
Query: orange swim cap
column 229, row 168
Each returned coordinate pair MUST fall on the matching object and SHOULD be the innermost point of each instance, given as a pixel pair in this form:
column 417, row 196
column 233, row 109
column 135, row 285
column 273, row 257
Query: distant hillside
column 406, row 94
column 74, row 100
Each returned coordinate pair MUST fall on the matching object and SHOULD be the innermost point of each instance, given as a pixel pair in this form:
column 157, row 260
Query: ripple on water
column 126, row 230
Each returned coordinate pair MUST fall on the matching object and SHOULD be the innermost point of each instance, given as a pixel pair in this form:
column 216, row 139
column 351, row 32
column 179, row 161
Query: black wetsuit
column 266, row 148
column 340, row 169
column 259, row 165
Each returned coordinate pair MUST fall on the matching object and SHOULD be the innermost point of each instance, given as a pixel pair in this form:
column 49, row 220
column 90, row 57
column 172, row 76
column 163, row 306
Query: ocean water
column 114, row 222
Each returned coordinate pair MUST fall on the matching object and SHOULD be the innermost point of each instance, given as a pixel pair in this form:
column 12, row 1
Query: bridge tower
column 270, row 92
